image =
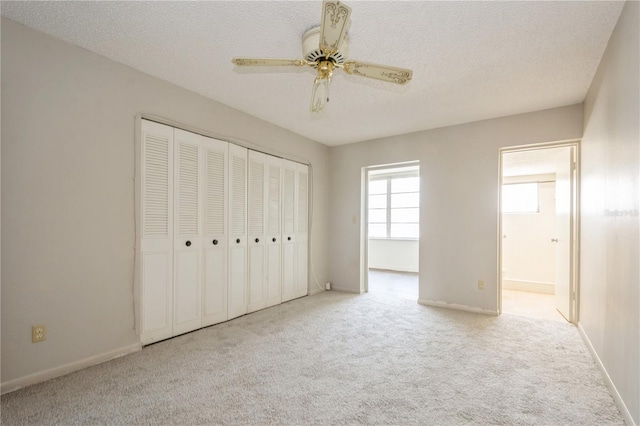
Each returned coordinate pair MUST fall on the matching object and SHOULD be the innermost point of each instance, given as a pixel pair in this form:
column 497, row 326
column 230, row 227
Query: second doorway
column 538, row 232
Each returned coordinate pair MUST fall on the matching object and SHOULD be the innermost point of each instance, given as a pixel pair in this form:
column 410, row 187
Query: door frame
column 574, row 293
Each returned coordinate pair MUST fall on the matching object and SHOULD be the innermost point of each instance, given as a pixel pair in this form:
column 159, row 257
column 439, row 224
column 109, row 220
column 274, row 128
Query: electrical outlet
column 38, row 333
column 480, row 284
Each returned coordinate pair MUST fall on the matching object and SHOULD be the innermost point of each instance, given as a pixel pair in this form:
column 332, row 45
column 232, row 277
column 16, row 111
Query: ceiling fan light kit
column 326, row 48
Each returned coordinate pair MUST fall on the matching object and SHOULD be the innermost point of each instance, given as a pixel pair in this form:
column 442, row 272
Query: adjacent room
column 393, row 229
column 317, row 212
column 537, row 231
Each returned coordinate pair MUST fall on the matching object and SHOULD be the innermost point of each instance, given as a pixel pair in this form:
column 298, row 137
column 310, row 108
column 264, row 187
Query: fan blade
column 379, row 72
column 320, row 94
column 335, row 22
column 258, row 62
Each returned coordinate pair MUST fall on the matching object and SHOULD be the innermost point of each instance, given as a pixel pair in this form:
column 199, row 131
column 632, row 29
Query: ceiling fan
column 326, row 48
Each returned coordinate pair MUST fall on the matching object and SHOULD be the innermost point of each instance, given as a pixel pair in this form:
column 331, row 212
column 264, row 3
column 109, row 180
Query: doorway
column 538, row 232
column 391, row 229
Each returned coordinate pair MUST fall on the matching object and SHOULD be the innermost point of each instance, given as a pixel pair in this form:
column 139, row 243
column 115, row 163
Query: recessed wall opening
column 538, row 232
column 391, row 225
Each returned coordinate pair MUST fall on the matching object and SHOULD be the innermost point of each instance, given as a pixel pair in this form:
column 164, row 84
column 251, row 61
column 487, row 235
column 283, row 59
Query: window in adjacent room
column 394, row 203
column 520, row 198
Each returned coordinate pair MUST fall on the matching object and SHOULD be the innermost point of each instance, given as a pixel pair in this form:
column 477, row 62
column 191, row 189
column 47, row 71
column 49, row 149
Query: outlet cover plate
column 38, row 333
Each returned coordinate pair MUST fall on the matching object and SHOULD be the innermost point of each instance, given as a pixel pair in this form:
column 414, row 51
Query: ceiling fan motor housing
column 312, row 53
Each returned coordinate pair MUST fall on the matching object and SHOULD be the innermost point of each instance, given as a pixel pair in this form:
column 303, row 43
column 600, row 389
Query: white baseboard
column 344, row 290
column 316, row 290
column 612, row 387
column 456, row 307
column 62, row 370
column 529, row 286
column 393, row 268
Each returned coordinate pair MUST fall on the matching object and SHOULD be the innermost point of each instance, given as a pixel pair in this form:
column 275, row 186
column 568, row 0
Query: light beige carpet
column 339, row 359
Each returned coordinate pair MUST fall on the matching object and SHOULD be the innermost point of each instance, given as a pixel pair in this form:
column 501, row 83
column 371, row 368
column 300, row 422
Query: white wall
column 459, row 191
column 528, row 255
column 394, row 255
column 68, row 120
column 610, row 199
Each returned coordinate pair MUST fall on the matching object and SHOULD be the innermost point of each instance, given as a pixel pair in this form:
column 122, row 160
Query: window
column 520, row 198
column 394, row 203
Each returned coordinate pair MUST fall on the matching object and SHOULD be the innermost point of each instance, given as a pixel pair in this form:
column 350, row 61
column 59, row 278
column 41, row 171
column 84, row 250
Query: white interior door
column 156, row 245
column 302, row 230
column 274, row 231
column 215, row 242
column 187, row 287
column 237, row 290
column 288, row 229
column 564, row 237
column 256, row 243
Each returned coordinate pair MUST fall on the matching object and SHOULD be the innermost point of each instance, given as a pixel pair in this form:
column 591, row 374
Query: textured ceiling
column 471, row 60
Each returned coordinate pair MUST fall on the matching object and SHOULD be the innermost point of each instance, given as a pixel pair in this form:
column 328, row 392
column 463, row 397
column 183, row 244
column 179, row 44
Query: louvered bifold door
column 256, row 242
column 302, row 230
column 289, row 171
column 216, row 240
column 237, row 271
column 187, row 287
column 154, row 188
column 274, row 231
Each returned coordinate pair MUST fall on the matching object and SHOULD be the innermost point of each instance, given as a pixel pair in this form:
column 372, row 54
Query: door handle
column 554, row 240
column 238, row 241
column 274, row 239
column 288, row 238
column 257, row 240
column 188, row 243
column 215, row 242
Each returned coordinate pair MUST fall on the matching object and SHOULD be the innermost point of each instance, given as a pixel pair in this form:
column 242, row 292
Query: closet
column 221, row 231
